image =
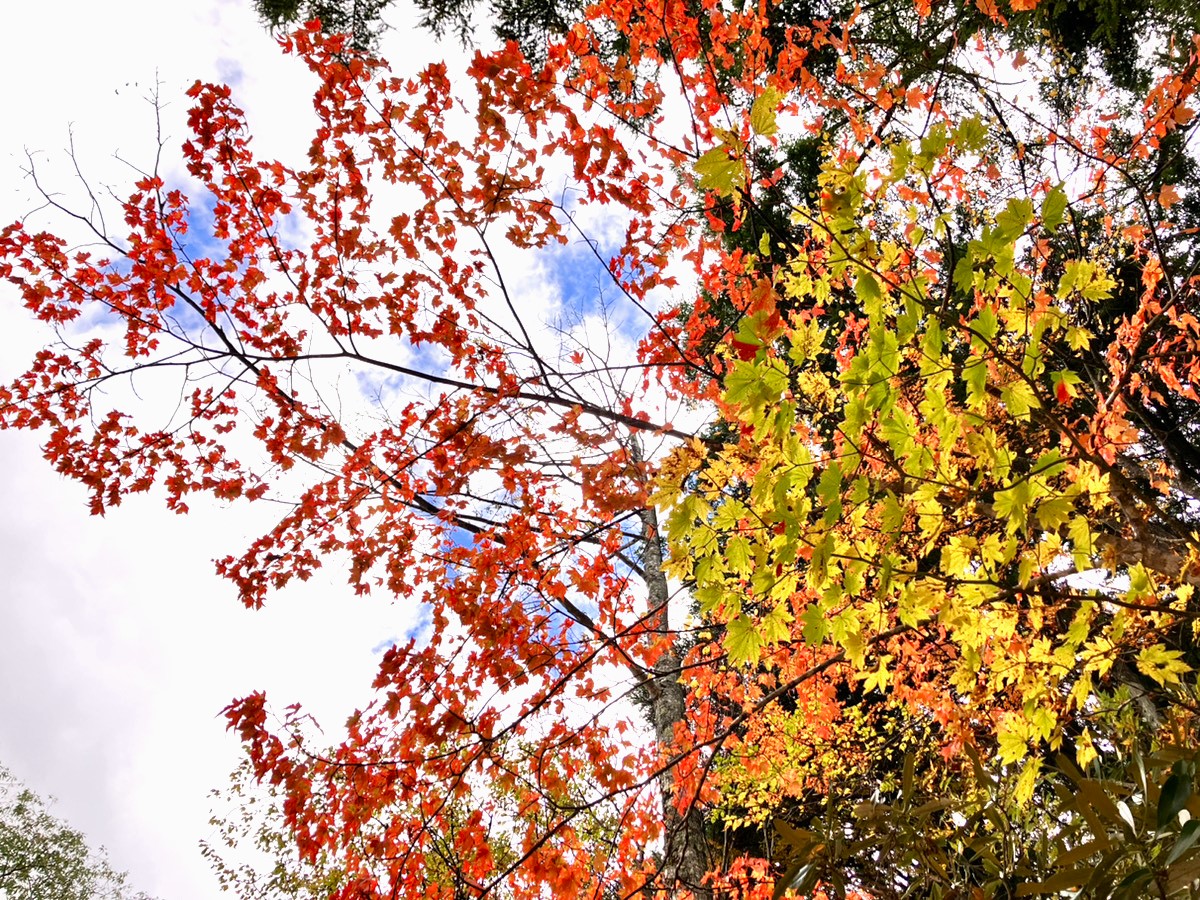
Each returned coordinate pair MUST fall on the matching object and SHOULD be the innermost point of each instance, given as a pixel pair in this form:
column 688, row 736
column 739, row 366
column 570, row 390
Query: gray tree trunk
column 685, row 845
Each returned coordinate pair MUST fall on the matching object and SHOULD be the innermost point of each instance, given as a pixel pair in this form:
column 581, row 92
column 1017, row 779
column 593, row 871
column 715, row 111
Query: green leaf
column 975, row 374
column 743, row 642
column 867, row 288
column 933, row 145
column 710, row 597
column 902, row 156
column 792, row 840
column 707, row 570
column 1054, row 208
column 1186, row 840
column 718, row 171
column 971, row 135
column 681, row 525
column 799, row 877
column 816, row 626
column 1077, row 854
column 964, row 273
column 1136, row 878
column 1019, row 397
column 1049, row 464
column 986, row 325
column 1174, row 797
column 1088, row 278
column 830, row 485
column 774, row 625
column 737, row 555
column 748, row 330
column 741, row 384
column 1055, row 884
column 763, row 113
column 749, row 384
column 900, row 431
column 1015, row 218
column 892, row 516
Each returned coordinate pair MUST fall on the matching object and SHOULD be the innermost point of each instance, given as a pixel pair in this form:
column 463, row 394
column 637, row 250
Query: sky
column 119, row 646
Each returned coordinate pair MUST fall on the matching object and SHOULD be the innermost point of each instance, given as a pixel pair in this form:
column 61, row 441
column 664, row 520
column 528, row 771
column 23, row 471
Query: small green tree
column 42, row 857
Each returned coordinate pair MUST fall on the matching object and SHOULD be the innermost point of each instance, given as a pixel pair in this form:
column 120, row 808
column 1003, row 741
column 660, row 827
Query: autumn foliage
column 932, row 526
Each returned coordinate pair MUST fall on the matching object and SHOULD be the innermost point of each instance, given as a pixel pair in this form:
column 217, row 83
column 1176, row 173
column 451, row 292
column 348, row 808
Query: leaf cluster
column 43, row 857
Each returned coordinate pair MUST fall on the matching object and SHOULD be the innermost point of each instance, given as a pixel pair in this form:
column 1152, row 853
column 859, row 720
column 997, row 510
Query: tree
column 362, row 20
column 41, row 856
column 940, row 399
column 915, row 497
column 915, row 39
column 531, row 23
column 254, row 856
column 510, row 500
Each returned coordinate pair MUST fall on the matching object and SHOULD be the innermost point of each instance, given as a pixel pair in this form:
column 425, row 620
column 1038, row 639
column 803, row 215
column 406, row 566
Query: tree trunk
column 685, row 845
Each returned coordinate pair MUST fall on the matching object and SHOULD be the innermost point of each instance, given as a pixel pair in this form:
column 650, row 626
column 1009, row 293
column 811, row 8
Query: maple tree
column 946, row 501
column 510, row 500
column 950, row 495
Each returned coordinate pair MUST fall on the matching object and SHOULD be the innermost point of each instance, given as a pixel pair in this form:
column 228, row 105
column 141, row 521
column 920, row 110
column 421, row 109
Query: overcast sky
column 118, row 645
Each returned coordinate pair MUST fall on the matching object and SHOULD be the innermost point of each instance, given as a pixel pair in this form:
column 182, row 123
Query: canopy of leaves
column 928, row 570
column 43, row 857
column 900, row 412
column 1124, row 39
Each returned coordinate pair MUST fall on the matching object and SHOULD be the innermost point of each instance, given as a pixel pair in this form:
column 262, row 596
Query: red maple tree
column 507, row 494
